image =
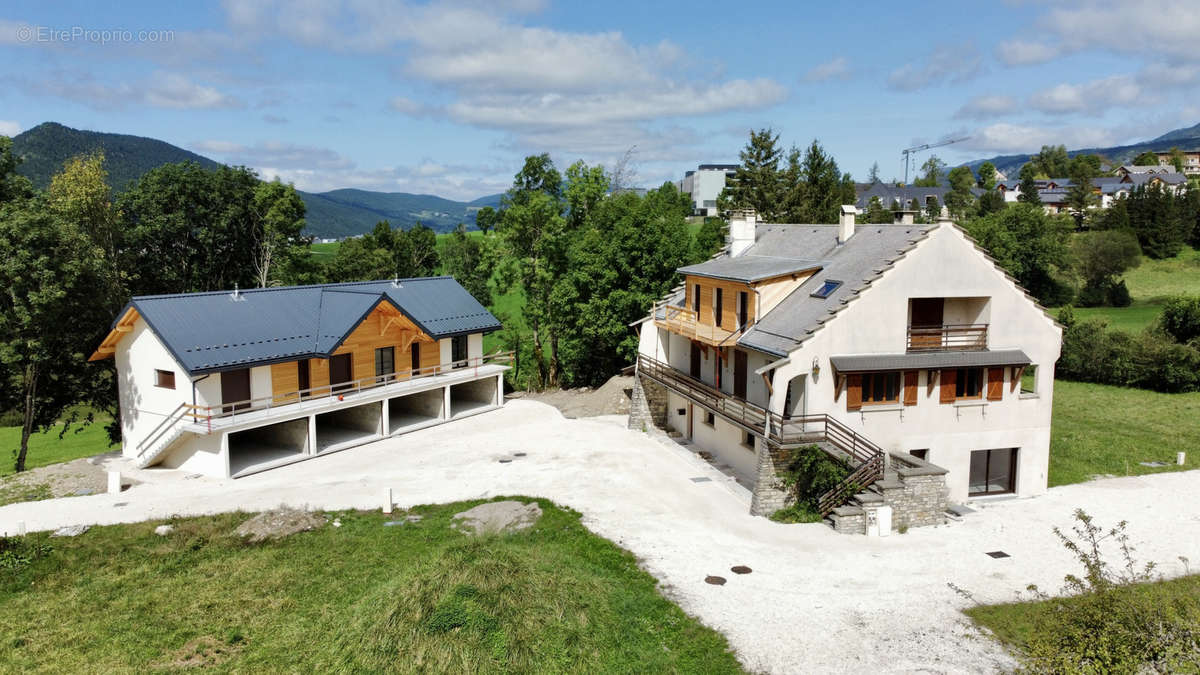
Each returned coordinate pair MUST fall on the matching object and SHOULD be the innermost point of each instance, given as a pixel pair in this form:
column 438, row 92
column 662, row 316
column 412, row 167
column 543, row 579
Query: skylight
column 826, row 288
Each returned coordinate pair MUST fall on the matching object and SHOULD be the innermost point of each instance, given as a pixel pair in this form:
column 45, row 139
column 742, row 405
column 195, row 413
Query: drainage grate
column 998, row 554
column 1153, row 464
column 701, row 479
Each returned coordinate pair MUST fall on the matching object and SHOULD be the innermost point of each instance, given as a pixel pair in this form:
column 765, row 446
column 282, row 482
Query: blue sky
column 448, row 97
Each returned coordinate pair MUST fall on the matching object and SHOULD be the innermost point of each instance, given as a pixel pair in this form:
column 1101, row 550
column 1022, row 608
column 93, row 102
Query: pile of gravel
column 279, row 523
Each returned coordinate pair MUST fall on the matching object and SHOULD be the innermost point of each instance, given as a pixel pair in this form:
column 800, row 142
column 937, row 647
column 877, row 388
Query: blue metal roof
column 215, row 331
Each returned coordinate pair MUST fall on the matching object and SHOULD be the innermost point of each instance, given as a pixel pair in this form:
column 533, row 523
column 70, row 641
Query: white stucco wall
column 475, row 345
column 144, row 405
column 444, row 345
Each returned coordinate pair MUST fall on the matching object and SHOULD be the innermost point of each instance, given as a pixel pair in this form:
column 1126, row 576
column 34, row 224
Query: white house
column 1191, row 161
column 231, row 383
column 704, row 185
column 902, row 348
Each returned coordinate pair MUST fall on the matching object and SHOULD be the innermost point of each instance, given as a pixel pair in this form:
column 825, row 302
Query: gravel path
column 816, row 601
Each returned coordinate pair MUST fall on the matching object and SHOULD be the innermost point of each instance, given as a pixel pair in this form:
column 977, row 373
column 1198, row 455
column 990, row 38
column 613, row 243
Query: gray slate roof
column 750, row 268
column 211, row 332
column 929, row 360
column 855, row 263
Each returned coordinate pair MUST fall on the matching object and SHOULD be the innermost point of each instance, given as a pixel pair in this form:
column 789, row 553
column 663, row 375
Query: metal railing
column 230, row 410
column 741, row 412
column 948, row 337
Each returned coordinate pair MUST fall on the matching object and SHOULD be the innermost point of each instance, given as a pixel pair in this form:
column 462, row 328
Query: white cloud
column 411, row 108
column 9, row 128
column 837, row 69
column 948, row 64
column 1025, row 53
column 1095, row 97
column 160, row 90
column 1168, row 75
column 219, row 147
column 1167, row 28
column 982, row 107
column 1004, row 138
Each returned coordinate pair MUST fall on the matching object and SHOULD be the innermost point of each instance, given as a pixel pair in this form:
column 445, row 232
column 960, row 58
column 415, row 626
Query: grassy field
column 1150, row 284
column 1098, row 429
column 1018, row 624
column 357, row 598
column 48, row 449
column 324, row 253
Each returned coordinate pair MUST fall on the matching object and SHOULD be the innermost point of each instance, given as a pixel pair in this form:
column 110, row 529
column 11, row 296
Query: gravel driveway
column 816, row 601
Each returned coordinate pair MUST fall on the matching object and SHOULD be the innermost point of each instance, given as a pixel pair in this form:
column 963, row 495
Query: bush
column 1092, row 352
column 808, row 474
column 1181, row 318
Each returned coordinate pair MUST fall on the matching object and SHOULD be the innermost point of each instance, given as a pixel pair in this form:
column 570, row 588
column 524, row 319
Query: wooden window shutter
column 1017, row 374
column 910, row 387
column 853, row 392
column 949, row 382
column 995, row 384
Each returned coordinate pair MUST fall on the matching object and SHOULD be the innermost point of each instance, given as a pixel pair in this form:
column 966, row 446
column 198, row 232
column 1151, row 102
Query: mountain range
column 334, row 214
column 1187, row 138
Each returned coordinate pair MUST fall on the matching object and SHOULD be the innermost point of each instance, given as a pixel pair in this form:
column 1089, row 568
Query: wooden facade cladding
column 109, row 346
column 729, row 300
column 385, row 326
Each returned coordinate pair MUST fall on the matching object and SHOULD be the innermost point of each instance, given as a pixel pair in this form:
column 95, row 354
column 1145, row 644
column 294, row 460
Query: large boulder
column 507, row 516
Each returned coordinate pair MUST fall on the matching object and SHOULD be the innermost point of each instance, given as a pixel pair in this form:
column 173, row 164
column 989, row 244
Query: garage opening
column 264, row 447
column 405, row 412
column 349, row 426
column 470, row 396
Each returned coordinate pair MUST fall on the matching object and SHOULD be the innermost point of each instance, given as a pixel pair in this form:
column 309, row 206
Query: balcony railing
column 686, row 322
column 948, row 337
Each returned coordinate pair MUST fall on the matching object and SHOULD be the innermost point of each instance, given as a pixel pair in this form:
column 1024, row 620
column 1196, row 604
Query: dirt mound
column 507, row 516
column 610, row 398
column 201, row 652
column 279, row 523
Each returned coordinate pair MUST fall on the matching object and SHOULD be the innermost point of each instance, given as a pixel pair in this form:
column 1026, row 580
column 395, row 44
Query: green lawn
column 48, row 449
column 357, row 598
column 324, row 253
column 1098, row 429
column 1046, row 626
column 1150, row 284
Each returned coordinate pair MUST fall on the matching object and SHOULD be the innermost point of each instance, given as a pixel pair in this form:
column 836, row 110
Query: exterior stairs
column 160, row 446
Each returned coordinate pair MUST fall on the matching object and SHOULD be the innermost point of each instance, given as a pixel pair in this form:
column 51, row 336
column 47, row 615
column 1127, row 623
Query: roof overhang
column 120, row 327
column 928, row 360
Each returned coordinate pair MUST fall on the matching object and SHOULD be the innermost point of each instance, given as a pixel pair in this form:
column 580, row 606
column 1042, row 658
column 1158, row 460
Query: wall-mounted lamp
column 816, row 368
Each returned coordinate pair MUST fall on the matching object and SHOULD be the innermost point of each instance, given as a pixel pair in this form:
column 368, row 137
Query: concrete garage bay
column 816, row 601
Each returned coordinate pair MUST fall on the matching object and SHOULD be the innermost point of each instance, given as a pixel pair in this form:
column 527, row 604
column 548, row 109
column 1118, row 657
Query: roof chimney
column 742, row 225
column 905, row 217
column 846, row 223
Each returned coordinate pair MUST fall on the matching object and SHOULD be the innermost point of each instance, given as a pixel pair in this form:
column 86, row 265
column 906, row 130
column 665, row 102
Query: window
column 696, row 299
column 710, row 419
column 717, row 307
column 1029, row 380
column 826, row 288
column 747, row 439
column 416, row 358
column 385, row 362
column 922, row 454
column 743, row 308
column 303, row 377
column 969, row 383
column 880, row 388
column 993, row 472
column 458, row 351
column 164, row 379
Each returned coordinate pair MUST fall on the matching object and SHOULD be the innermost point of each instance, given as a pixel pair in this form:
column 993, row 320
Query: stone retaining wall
column 648, row 404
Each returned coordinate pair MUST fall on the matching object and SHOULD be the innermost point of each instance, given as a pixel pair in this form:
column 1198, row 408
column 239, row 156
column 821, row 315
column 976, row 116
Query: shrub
column 808, row 474
column 1181, row 318
column 1092, row 352
column 17, row 552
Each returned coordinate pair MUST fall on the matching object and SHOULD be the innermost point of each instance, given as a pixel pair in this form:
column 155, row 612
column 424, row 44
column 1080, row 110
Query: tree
column 280, row 214
column 960, row 199
column 1180, row 318
column 52, row 274
column 624, row 174
column 1101, row 257
column 1029, row 187
column 467, row 259
column 987, row 176
column 933, row 210
column 1177, row 159
column 991, row 202
column 1030, row 245
column 486, row 218
column 1081, row 194
column 586, row 186
column 357, row 259
column 876, row 214
column 815, row 189
column 1051, row 162
column 931, row 172
column 79, row 194
column 416, row 251
column 12, row 184
column 709, row 239
column 873, row 173
column 757, row 182
column 1146, row 158
column 1161, row 220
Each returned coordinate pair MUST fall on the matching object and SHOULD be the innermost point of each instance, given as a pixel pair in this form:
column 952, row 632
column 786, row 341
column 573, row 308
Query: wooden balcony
column 948, row 337
column 685, row 322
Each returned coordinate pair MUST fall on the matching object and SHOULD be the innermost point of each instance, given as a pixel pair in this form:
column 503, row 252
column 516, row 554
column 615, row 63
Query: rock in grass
column 506, row 516
column 278, row 524
column 71, row 531
column 164, row 530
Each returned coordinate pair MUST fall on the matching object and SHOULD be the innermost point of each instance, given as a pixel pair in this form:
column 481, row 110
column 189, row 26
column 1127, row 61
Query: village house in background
column 1191, row 161
column 229, row 383
column 704, row 185
column 1053, row 191
column 900, row 348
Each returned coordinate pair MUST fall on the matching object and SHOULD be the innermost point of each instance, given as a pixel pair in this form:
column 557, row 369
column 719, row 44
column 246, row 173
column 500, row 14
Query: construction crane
column 908, row 152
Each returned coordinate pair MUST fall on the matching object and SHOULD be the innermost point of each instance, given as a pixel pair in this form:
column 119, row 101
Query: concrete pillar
column 387, row 500
column 500, row 389
column 384, row 425
column 311, row 448
column 114, row 482
column 446, row 402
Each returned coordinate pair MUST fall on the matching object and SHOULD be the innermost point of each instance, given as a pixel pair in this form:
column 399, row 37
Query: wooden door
column 739, row 374
column 341, row 371
column 235, row 389
column 695, row 365
column 926, row 323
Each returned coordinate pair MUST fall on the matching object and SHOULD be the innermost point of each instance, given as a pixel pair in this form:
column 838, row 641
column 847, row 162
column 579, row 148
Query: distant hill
column 46, row 147
column 338, row 213
column 1187, row 138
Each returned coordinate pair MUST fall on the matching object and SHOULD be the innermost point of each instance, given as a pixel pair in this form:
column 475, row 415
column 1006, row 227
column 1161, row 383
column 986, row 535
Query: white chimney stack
column 742, row 225
column 905, row 217
column 846, row 223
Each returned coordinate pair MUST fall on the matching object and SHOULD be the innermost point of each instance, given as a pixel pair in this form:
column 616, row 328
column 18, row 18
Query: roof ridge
column 333, row 286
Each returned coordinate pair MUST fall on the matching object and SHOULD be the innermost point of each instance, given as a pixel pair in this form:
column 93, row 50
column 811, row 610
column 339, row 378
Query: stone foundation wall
column 648, row 404
column 768, row 496
column 919, row 495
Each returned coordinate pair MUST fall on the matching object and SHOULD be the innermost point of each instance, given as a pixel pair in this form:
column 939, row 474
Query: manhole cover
column 740, row 569
column 120, row 504
column 518, row 454
column 506, row 460
column 701, row 479
column 998, row 554
column 715, row 581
